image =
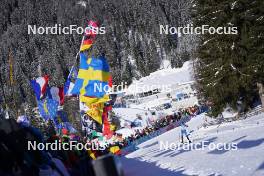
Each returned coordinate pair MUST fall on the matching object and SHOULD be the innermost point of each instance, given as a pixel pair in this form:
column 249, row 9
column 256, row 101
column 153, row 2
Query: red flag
column 40, row 86
column 56, row 93
column 110, row 81
column 106, row 126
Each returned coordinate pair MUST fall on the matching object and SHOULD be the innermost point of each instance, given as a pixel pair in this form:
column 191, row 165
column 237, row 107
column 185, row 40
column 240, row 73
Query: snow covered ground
column 162, row 78
column 129, row 114
column 247, row 160
column 172, row 86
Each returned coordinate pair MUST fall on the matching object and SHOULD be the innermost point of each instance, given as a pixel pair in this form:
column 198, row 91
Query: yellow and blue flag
column 91, row 100
column 93, row 77
column 48, row 108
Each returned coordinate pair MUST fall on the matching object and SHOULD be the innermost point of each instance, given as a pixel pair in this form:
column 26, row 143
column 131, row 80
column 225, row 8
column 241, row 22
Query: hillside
column 246, row 160
column 132, row 43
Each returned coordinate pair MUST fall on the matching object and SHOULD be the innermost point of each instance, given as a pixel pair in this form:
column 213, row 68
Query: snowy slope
column 162, row 77
column 129, row 114
column 247, row 160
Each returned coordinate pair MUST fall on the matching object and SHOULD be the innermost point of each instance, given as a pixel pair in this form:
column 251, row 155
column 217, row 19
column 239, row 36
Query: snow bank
column 246, row 160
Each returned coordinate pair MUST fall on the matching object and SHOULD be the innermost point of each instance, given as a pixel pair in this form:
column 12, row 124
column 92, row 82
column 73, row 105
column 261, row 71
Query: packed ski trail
column 248, row 159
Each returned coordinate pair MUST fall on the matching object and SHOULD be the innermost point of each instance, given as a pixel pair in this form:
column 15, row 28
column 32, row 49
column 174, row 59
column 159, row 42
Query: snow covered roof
column 161, row 79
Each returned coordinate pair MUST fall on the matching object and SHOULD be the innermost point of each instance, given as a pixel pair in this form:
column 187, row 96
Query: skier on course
column 184, row 132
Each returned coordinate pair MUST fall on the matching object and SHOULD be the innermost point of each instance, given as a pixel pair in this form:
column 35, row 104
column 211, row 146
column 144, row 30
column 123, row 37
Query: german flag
column 87, row 43
column 89, row 35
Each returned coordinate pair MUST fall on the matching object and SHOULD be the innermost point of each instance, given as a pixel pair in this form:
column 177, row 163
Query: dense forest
column 230, row 66
column 133, row 44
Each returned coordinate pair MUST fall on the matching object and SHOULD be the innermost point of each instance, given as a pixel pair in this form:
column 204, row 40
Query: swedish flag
column 93, row 77
column 91, row 100
column 48, row 108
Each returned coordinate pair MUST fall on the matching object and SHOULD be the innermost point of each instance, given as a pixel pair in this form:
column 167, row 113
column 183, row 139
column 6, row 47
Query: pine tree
column 230, row 65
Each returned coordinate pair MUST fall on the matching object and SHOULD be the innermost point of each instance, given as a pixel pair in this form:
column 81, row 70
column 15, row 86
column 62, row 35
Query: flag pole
column 78, row 97
column 76, row 57
column 11, row 79
column 3, row 91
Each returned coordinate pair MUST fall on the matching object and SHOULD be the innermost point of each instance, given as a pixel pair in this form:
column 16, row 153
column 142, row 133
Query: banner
column 96, row 112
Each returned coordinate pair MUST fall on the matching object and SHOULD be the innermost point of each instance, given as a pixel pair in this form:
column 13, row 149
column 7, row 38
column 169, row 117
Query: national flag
column 40, row 86
column 86, row 44
column 110, row 81
column 61, row 117
column 69, row 84
column 93, row 77
column 106, row 125
column 56, row 93
column 89, row 36
column 90, row 100
column 93, row 106
column 62, row 121
column 96, row 111
column 48, row 108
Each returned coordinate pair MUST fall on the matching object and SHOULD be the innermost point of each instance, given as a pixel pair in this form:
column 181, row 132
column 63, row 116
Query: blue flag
column 70, row 81
column 48, row 108
column 61, row 118
column 62, row 121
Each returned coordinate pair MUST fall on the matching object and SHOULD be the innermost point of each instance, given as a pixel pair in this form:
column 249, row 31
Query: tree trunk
column 261, row 94
column 262, row 101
